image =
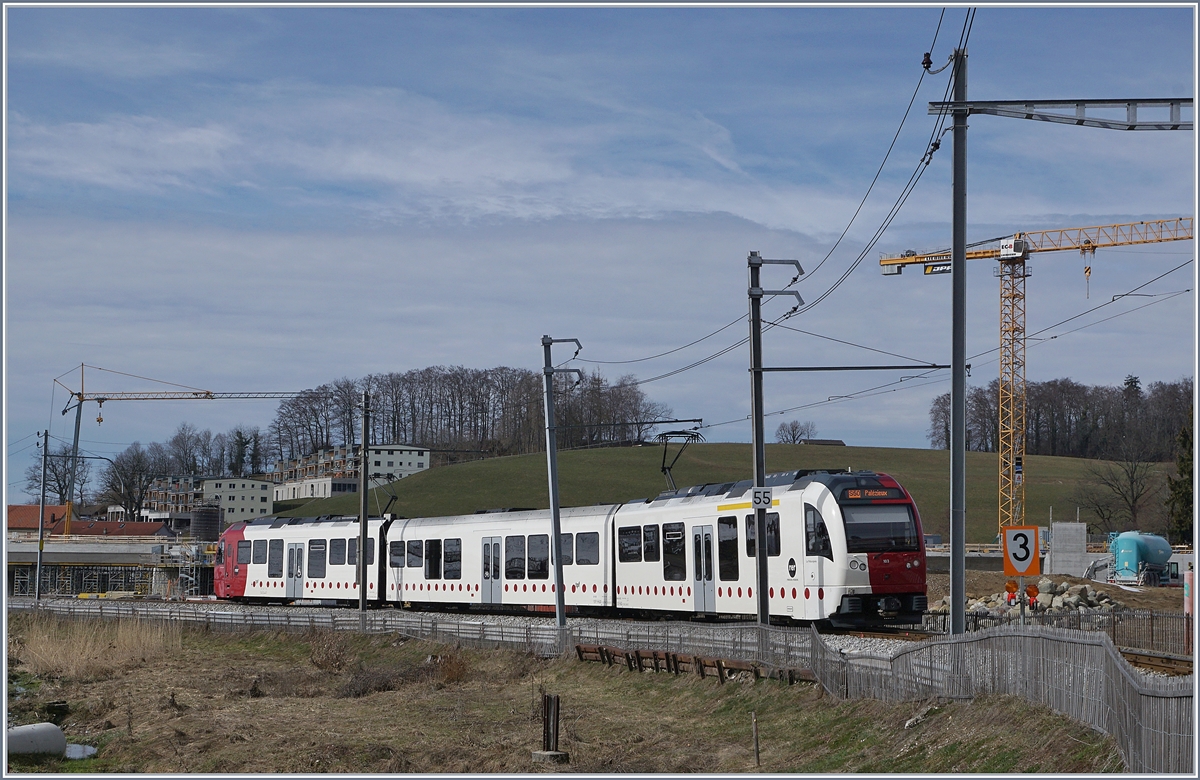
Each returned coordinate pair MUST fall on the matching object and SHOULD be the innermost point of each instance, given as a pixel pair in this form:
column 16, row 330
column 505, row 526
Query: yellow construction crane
column 80, row 396
column 1012, row 254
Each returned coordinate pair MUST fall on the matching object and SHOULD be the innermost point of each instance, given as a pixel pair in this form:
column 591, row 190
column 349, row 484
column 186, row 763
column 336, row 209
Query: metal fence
column 1136, row 629
column 1079, row 674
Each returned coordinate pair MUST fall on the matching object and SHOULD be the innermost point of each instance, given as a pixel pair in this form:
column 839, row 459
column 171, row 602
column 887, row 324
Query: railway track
column 906, row 634
column 1175, row 665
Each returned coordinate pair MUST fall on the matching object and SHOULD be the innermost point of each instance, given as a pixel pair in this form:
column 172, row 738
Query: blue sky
column 271, row 198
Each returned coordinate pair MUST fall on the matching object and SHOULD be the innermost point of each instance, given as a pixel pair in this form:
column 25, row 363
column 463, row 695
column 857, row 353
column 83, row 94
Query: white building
column 239, row 498
column 395, row 461
column 315, row 487
column 334, row 471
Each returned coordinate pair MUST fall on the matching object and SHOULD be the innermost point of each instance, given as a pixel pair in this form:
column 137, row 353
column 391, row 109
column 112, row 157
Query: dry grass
column 255, row 703
column 82, row 650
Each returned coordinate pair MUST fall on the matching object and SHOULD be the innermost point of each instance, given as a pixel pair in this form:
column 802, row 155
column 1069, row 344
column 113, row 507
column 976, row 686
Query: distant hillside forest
column 1067, row 418
column 463, row 412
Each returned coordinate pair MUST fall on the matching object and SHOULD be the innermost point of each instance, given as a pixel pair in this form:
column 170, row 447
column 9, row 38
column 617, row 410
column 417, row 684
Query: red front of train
column 229, row 573
column 884, row 535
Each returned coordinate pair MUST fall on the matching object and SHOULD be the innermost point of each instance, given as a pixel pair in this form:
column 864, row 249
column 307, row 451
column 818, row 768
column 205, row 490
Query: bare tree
column 795, row 432
column 58, row 476
column 1123, row 494
column 184, row 449
column 128, row 478
column 939, row 423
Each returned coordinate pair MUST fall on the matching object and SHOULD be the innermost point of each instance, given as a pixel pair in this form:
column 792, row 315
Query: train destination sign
column 861, row 494
column 1021, row 551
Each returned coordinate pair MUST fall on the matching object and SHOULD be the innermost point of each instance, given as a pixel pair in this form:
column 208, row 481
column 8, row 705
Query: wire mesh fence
column 1139, row 629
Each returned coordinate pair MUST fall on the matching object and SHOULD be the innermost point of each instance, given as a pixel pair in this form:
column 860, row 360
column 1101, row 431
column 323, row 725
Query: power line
column 880, row 389
column 661, row 354
column 870, row 187
column 887, row 154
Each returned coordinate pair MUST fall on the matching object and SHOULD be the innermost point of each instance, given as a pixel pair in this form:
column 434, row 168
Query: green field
column 621, row 474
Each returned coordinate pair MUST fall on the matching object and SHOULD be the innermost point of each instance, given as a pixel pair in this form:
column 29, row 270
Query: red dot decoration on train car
column 739, row 593
column 572, row 588
column 771, row 593
column 689, row 590
column 793, row 593
column 806, row 593
column 820, row 593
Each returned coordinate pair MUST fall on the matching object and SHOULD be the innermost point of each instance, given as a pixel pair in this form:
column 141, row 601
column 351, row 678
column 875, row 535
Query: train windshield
column 880, row 528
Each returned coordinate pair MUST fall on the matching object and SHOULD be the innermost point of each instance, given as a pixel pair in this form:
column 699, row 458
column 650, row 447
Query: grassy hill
column 616, row 475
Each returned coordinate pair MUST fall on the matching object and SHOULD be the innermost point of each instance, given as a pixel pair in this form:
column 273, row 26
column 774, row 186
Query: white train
column 846, row 547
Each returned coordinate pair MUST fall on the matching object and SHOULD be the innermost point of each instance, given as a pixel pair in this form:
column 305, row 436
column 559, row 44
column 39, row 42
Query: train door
column 491, row 588
column 702, row 576
column 295, row 570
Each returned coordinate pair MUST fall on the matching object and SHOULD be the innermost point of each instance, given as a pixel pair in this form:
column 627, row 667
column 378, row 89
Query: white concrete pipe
column 37, row 739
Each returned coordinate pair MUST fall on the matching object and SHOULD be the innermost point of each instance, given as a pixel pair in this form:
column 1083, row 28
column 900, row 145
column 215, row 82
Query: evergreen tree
column 1179, row 495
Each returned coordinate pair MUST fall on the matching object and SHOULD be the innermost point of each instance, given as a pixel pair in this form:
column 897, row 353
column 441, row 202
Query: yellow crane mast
column 1012, row 254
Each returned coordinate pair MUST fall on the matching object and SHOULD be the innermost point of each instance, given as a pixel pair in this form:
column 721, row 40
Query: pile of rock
column 1052, row 599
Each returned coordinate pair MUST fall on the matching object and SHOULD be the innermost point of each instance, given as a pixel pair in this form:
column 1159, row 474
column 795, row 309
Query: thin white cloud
column 100, row 52
column 122, row 153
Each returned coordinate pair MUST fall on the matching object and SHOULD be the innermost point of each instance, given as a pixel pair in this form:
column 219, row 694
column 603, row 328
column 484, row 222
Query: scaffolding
column 68, row 580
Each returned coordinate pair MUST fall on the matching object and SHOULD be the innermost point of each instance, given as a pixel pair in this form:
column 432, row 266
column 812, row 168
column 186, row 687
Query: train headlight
column 908, row 565
column 853, row 564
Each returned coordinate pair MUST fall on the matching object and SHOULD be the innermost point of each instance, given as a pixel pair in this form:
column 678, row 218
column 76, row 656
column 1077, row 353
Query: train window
column 587, row 549
column 453, row 559
column 433, row 559
column 564, row 547
column 773, row 534
column 352, row 552
column 396, row 554
column 370, row 556
column 243, row 554
column 539, row 556
column 221, row 553
column 650, row 542
column 275, row 558
column 514, row 557
column 337, row 552
column 727, row 548
column 879, row 528
column 629, row 544
column 816, row 535
column 415, row 557
column 674, row 556
column 316, row 559
column 260, row 551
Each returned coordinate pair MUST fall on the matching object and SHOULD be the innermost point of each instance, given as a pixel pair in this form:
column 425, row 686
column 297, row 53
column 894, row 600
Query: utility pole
column 75, row 456
column 958, row 357
column 755, row 263
column 362, row 517
column 548, row 372
column 37, row 583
